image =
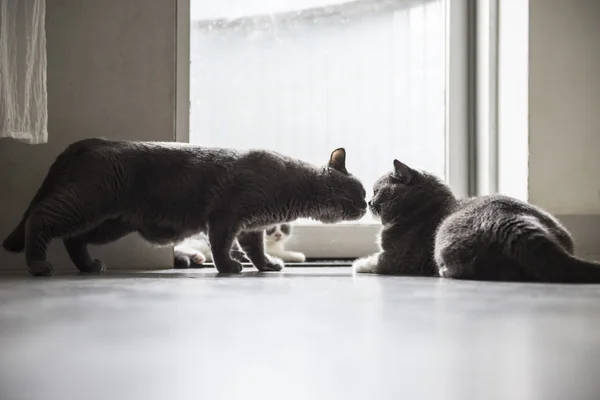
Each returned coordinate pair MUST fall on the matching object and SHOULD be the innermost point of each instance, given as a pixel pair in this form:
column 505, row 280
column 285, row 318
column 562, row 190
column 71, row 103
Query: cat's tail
column 15, row 241
column 547, row 261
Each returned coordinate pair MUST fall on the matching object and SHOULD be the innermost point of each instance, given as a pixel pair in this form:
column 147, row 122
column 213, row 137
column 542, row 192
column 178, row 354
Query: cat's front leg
column 253, row 244
column 367, row 265
column 221, row 236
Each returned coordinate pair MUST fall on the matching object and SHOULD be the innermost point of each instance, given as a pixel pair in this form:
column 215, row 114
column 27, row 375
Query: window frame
column 352, row 240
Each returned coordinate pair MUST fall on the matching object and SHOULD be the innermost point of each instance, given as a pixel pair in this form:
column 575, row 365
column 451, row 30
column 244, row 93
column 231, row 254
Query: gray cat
column 428, row 232
column 98, row 191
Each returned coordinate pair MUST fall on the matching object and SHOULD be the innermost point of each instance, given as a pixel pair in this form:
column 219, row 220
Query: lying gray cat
column 428, row 232
column 98, row 191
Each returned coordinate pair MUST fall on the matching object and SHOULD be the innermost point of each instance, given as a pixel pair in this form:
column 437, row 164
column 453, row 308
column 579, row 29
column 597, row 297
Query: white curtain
column 23, row 96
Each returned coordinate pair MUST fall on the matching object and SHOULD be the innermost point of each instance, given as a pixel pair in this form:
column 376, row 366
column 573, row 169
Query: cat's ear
column 337, row 160
column 403, row 172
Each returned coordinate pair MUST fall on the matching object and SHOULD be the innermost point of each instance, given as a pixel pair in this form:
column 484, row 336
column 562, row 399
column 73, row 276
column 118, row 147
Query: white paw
column 443, row 272
column 364, row 266
column 295, row 257
column 198, row 258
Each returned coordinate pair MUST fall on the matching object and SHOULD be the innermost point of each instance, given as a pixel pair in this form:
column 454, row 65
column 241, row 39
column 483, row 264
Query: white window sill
column 343, row 240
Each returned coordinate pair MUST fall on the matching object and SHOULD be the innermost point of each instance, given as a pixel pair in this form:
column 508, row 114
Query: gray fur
column 98, row 191
column 428, row 232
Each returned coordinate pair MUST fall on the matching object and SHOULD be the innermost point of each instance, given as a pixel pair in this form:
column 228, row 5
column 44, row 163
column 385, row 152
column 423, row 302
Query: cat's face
column 278, row 234
column 344, row 194
column 403, row 189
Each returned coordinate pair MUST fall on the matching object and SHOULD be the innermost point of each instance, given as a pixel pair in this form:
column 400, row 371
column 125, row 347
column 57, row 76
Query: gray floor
column 302, row 334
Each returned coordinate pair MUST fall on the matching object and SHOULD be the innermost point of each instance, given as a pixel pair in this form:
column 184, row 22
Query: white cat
column 275, row 240
column 193, row 250
column 196, row 250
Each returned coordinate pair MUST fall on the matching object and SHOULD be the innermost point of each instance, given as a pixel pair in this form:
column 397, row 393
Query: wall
column 564, row 117
column 564, row 105
column 111, row 73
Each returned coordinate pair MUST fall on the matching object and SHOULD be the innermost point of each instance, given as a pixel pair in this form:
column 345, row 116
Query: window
column 303, row 77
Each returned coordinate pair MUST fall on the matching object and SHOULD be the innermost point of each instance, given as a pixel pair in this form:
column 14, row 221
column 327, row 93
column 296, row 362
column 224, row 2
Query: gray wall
column 564, row 105
column 564, row 115
column 111, row 73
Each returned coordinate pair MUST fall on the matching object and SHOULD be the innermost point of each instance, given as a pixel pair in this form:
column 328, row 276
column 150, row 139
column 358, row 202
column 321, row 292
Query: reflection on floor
column 305, row 333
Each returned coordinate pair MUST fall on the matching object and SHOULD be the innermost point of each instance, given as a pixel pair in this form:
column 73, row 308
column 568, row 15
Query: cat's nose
column 370, row 203
column 278, row 236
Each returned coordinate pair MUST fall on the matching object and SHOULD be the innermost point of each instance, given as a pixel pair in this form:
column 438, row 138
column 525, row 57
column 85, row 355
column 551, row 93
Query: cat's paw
column 95, row 266
column 364, row 266
column 272, row 264
column 295, row 256
column 198, row 258
column 229, row 267
column 40, row 268
column 443, row 271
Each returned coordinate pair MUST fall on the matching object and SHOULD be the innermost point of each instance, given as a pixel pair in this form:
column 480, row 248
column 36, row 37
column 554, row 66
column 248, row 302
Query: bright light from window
column 303, row 77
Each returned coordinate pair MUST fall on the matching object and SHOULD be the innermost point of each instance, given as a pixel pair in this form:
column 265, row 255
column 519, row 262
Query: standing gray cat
column 428, row 232
column 98, row 191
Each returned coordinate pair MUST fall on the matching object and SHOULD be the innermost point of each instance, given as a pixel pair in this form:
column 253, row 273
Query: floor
column 306, row 333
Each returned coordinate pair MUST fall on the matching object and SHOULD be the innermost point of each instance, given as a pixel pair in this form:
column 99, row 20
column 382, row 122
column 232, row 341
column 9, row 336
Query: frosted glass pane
column 306, row 76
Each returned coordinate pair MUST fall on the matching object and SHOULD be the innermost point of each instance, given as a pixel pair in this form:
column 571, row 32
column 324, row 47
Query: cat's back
column 496, row 207
column 477, row 215
column 483, row 206
column 488, row 216
column 181, row 154
column 163, row 158
column 268, row 161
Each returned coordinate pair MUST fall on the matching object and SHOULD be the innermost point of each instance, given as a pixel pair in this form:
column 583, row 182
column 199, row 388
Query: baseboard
column 338, row 241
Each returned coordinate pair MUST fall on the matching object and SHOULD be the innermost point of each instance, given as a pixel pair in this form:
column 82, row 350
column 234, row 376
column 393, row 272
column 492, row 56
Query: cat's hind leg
column 253, row 245
column 56, row 218
column 107, row 232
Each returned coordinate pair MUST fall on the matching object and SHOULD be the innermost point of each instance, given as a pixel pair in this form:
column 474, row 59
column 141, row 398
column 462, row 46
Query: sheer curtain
column 23, row 96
